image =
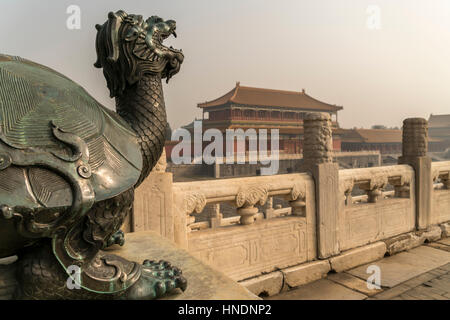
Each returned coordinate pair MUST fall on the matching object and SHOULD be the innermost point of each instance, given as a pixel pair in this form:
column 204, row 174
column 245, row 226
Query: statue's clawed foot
column 157, row 279
column 116, row 238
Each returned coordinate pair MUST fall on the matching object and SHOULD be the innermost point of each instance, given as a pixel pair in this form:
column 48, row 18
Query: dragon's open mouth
column 159, row 37
column 149, row 36
column 165, row 35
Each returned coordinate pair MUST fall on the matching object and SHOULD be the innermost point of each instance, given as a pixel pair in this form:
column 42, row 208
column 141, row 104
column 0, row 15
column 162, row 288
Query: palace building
column 439, row 132
column 246, row 107
column 387, row 141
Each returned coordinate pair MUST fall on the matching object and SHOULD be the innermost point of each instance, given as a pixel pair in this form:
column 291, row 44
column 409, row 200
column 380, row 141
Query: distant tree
column 379, row 126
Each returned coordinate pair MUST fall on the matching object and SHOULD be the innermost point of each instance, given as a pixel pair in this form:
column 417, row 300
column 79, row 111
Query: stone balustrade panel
column 245, row 194
column 248, row 249
column 378, row 214
column 440, row 204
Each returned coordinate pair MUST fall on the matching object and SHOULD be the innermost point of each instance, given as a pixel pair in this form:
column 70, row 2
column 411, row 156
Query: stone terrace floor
column 422, row 273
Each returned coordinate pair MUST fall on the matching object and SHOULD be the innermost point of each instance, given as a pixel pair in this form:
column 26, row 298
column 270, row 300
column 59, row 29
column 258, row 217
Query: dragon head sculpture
column 129, row 46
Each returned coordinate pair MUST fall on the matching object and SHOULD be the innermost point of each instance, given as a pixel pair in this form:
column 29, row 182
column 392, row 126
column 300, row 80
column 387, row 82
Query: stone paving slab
column 397, row 291
column 354, row 283
column 320, row 290
column 433, row 284
column 405, row 265
column 435, row 289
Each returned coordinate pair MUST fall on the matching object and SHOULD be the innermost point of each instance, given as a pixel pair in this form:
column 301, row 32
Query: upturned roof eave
column 233, row 93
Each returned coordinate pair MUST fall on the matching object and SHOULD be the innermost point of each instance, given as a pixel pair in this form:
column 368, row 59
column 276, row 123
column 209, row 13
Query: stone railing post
column 153, row 201
column 414, row 153
column 317, row 157
column 216, row 170
column 216, row 216
column 268, row 208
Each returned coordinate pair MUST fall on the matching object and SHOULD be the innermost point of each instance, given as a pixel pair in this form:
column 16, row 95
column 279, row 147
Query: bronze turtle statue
column 69, row 166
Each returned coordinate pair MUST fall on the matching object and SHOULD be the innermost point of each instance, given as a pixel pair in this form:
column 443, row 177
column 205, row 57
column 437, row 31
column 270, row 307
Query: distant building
column 439, row 132
column 246, row 107
column 387, row 141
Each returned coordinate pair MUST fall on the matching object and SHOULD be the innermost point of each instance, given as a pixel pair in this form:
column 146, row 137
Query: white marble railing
column 373, row 181
column 244, row 194
column 378, row 214
column 329, row 210
column 252, row 242
column 441, row 174
column 440, row 199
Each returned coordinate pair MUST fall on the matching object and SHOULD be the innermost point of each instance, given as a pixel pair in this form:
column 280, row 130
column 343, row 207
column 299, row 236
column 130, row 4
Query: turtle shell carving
column 43, row 111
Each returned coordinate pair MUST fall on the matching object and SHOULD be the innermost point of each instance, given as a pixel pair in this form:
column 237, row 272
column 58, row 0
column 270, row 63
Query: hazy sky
column 379, row 76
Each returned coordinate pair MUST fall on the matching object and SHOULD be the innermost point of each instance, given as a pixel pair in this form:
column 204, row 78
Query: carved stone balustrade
column 244, row 194
column 374, row 187
column 379, row 214
column 318, row 160
column 402, row 186
column 414, row 153
column 373, row 180
column 252, row 242
column 440, row 201
column 441, row 171
column 297, row 200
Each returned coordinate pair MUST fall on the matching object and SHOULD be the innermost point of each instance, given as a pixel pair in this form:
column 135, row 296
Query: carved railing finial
column 297, row 199
column 247, row 198
column 318, row 144
column 415, row 137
